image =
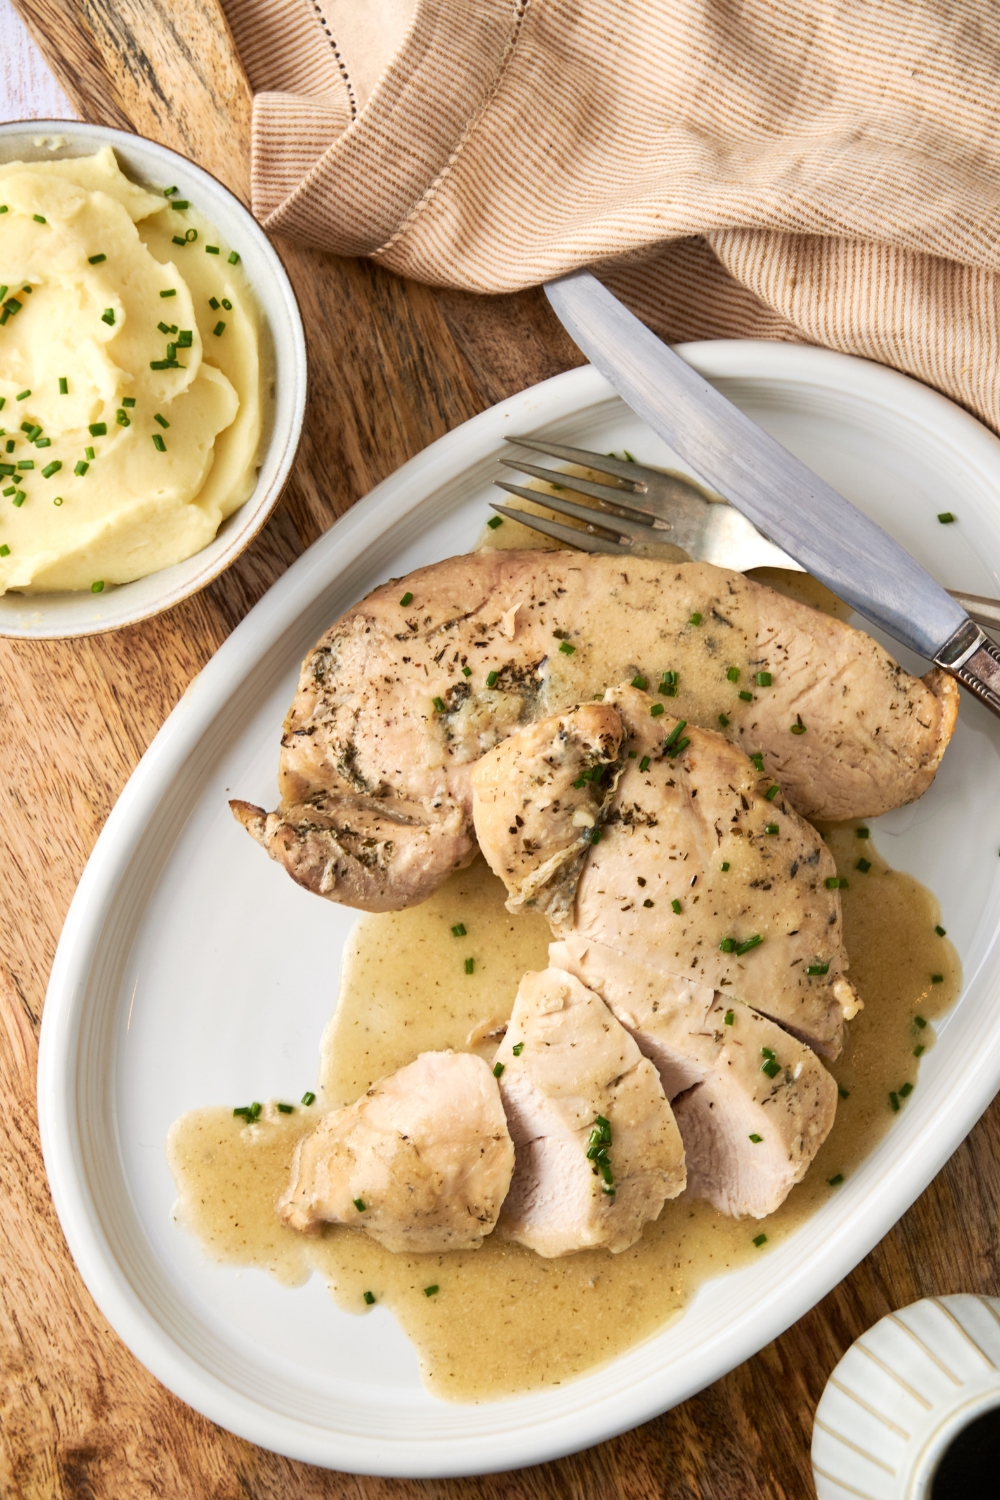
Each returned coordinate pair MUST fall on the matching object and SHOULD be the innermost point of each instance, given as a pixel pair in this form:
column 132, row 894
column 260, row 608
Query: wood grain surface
column 393, row 366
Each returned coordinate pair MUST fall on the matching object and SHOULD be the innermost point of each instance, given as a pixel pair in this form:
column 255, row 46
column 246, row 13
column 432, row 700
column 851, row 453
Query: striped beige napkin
column 820, row 170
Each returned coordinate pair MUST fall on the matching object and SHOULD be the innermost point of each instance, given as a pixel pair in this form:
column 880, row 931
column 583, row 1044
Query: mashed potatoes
column 130, row 378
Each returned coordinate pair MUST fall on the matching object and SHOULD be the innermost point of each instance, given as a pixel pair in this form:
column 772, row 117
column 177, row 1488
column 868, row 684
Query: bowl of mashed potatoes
column 152, row 379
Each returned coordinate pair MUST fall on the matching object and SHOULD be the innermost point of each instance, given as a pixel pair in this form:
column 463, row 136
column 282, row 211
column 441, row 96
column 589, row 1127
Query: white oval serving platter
column 191, row 970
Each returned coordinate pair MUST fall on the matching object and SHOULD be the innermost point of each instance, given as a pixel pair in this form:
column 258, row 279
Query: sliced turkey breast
column 597, row 1149
column 422, row 1162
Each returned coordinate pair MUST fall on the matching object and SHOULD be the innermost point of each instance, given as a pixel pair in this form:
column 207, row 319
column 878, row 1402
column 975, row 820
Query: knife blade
column 783, row 498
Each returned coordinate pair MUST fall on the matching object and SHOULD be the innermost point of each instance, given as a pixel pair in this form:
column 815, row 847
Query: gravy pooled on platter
column 502, row 1320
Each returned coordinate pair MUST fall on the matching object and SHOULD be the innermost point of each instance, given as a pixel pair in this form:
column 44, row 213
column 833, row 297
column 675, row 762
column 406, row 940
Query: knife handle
column 974, row 660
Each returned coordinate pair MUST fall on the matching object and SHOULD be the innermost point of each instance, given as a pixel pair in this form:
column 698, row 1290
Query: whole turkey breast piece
column 397, row 701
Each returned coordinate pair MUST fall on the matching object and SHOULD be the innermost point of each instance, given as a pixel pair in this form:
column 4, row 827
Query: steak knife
column 784, row 499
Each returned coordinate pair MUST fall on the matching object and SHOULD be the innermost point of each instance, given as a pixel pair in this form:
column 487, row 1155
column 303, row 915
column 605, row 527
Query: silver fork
column 647, row 507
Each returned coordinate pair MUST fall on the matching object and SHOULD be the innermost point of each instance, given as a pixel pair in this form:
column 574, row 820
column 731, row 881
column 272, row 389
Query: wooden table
column 393, row 365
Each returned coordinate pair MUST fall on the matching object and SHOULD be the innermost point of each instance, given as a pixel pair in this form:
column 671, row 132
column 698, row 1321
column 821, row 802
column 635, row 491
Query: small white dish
column 902, row 1393
column 49, row 616
column 192, row 971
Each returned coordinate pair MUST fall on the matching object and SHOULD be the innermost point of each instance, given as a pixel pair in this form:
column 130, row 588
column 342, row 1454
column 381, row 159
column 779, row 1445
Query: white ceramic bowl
column 902, row 1393
column 47, row 616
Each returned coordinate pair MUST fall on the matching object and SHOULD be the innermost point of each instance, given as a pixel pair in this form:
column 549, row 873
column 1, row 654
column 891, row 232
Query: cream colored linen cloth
column 827, row 170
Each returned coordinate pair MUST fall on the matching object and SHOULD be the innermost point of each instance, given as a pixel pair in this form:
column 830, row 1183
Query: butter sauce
column 504, row 1320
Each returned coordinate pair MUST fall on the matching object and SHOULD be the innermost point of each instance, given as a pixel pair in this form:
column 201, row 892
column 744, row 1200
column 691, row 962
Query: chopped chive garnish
column 214, row 303
column 369, row 1298
column 723, row 721
column 211, row 249
column 640, row 682
column 19, row 499
column 285, row 1109
column 58, row 500
column 497, row 1069
column 728, row 945
column 122, row 418
column 894, row 1102
column 430, row 1291
column 760, row 1239
column 919, row 1021
column 752, row 942
column 644, row 763
column 43, row 442
column 10, row 445
column 89, row 453
column 128, row 401
column 179, row 239
column 227, row 304
column 81, row 468
column 667, row 681
column 818, row 969
column 844, row 1093
column 763, row 679
column 695, row 619
column 906, row 1090
column 836, row 1181
column 862, row 833
column 438, row 702
column 98, row 429
column 517, row 1048
column 181, row 204
column 729, row 1018
column 733, row 675
column 406, row 599
column 945, row 516
column 676, row 906
column 10, row 490
column 169, row 192
column 836, row 883
column 234, row 259
column 680, row 745
column 940, row 931
column 466, row 671
column 242, row 1113
column 98, row 588
column 864, row 865
column 108, row 316
column 190, row 236
column 724, row 866
column 156, row 418
column 158, row 443
column 308, row 1097
column 63, row 386
column 95, row 260
column 171, row 292
column 918, row 1049
column 494, row 522
column 566, row 648
column 172, row 353
column 492, row 679
column 798, row 727
column 8, row 470
column 747, row 697
column 656, row 709
column 458, row 930
column 3, row 208
column 771, row 828
column 26, row 463
column 22, row 395
column 937, row 979
column 756, row 1138
column 675, row 733
column 52, row 468
column 219, row 329
column 359, row 1204
column 164, row 327
column 39, row 218
column 772, row 1067
column 470, row 964
column 632, row 754
column 4, row 550
column 771, row 793
column 185, row 338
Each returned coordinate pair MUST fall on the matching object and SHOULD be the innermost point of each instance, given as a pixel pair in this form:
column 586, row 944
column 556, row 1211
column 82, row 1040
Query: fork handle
column 985, row 612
